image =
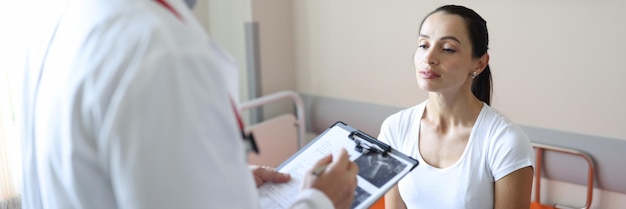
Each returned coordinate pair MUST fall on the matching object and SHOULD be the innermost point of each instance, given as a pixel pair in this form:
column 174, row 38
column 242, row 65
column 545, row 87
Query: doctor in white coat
column 128, row 104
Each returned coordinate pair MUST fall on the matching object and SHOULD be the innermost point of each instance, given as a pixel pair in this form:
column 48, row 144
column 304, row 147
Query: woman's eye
column 422, row 46
column 448, row 50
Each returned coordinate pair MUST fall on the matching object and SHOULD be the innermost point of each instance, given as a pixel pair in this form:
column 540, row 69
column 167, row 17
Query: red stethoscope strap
column 170, row 8
column 239, row 121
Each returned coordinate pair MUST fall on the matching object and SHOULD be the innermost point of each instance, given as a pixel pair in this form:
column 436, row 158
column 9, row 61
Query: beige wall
column 556, row 64
column 276, row 49
column 275, row 19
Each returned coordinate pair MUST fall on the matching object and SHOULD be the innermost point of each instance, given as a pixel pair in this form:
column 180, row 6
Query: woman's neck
column 452, row 110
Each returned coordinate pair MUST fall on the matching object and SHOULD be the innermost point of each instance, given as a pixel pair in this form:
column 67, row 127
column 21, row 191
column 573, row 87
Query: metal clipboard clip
column 366, row 144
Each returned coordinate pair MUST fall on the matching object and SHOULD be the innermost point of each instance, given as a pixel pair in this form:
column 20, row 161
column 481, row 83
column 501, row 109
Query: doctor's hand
column 337, row 180
column 264, row 174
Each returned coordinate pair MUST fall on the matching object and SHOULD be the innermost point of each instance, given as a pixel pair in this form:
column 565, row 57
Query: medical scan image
column 360, row 195
column 377, row 168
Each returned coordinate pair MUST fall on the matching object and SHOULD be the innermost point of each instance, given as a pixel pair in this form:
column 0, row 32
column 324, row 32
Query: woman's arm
column 393, row 199
column 513, row 190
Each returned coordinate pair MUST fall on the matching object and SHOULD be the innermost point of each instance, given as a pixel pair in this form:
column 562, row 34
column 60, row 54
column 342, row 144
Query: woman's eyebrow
column 450, row 38
column 443, row 38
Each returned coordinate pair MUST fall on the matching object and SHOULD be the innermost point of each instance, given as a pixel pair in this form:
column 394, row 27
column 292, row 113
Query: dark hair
column 478, row 35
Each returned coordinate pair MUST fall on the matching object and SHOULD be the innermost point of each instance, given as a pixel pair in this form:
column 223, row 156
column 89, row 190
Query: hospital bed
column 278, row 137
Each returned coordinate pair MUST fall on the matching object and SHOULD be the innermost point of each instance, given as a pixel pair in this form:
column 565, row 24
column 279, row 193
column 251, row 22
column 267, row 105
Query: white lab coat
column 127, row 106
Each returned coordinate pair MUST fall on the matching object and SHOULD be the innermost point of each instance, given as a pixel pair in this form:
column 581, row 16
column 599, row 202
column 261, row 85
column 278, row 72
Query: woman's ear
column 482, row 63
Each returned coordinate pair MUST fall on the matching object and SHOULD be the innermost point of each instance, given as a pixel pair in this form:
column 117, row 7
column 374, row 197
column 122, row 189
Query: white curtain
column 10, row 149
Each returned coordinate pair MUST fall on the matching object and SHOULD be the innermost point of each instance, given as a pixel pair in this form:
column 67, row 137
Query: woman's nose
column 429, row 57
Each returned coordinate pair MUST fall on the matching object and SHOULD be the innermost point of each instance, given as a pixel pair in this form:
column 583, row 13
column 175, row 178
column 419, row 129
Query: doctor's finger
column 342, row 161
column 322, row 162
column 353, row 168
column 272, row 175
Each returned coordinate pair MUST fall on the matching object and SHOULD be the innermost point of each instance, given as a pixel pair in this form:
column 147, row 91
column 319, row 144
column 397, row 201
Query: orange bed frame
column 539, row 150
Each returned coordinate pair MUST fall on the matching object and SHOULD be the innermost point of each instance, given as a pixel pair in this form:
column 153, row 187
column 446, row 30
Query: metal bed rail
column 540, row 148
column 278, row 96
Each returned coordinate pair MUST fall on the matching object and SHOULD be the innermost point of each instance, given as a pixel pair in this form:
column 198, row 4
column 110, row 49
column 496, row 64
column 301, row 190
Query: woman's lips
column 429, row 74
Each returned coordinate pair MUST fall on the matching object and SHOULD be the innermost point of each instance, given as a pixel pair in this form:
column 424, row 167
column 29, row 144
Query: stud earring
column 474, row 74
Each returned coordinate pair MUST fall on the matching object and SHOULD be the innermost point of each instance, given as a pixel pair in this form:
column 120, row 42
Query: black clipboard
column 380, row 166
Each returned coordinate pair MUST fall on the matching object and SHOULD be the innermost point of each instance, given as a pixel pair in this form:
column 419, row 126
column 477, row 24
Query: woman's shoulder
column 506, row 145
column 498, row 126
column 494, row 117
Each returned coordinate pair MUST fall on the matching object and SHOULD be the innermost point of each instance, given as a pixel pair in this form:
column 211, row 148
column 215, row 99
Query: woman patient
column 471, row 156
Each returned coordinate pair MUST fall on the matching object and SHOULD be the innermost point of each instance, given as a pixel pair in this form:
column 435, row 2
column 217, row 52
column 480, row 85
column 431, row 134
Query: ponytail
column 481, row 86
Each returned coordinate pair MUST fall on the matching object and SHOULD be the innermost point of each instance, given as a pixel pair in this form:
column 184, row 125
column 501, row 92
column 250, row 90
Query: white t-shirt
column 496, row 147
column 127, row 106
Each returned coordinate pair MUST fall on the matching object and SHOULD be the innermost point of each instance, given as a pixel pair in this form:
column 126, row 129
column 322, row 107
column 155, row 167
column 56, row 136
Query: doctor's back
column 127, row 106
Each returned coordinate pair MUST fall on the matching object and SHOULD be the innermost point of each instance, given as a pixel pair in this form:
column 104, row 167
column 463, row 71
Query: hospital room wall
column 276, row 54
column 556, row 64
